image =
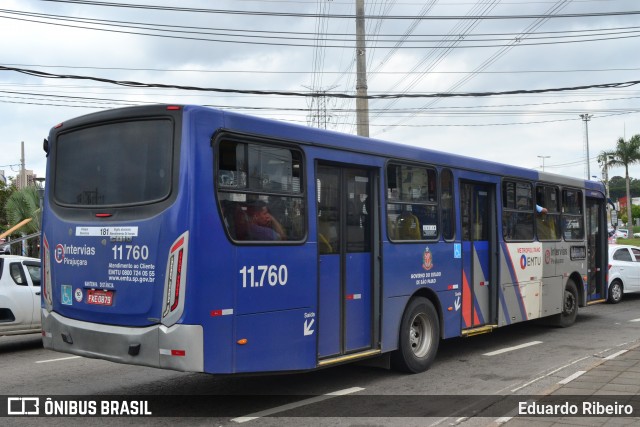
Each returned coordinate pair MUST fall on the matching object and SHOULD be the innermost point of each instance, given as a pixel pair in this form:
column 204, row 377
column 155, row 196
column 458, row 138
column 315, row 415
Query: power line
column 197, row 35
column 340, row 16
column 170, row 70
column 287, row 34
column 472, row 110
column 126, row 83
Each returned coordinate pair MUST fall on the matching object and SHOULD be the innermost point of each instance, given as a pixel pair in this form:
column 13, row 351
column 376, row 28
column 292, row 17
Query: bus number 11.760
column 128, row 252
column 274, row 275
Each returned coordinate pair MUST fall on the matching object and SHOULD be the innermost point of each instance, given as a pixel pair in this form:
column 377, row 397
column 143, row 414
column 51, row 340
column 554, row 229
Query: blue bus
column 193, row 239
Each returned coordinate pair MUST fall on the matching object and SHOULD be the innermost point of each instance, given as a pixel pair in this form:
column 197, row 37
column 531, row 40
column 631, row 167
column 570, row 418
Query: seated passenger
column 262, row 225
column 408, row 226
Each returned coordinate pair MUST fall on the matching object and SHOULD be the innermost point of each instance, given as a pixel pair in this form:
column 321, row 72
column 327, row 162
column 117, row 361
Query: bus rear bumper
column 178, row 347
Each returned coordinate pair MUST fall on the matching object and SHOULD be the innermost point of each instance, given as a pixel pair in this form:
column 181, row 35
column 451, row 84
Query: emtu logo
column 531, row 261
column 59, row 253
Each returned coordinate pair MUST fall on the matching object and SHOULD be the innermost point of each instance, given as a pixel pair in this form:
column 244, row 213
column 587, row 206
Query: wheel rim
column 569, row 302
column 616, row 292
column 420, row 335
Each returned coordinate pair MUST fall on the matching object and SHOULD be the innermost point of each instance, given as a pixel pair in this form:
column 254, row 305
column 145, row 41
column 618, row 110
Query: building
column 25, row 178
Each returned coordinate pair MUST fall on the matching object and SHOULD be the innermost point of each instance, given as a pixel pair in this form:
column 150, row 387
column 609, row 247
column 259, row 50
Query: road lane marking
column 508, row 349
column 288, row 406
column 571, row 377
column 58, row 360
column 634, row 320
column 549, row 374
column 614, row 355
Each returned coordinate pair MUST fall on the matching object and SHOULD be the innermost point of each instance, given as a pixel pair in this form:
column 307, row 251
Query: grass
column 632, row 241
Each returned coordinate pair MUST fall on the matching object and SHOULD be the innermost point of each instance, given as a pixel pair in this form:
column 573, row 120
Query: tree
column 23, row 204
column 5, row 192
column 604, row 159
column 625, row 154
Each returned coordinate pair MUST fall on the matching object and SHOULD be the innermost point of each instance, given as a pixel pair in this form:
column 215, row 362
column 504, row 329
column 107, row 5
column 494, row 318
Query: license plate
column 100, row 297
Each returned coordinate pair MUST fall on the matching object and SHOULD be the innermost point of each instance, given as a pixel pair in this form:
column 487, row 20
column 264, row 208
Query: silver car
column 624, row 271
column 19, row 295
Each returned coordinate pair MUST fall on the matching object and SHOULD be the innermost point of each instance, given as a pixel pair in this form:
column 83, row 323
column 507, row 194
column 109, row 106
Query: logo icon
column 65, row 297
column 23, row 406
column 523, row 262
column 427, row 259
column 59, row 253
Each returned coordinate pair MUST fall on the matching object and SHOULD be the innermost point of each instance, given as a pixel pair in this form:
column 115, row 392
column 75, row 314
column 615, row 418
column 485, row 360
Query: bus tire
column 569, row 306
column 419, row 337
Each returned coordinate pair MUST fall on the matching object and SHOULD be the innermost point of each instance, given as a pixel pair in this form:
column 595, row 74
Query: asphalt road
column 521, row 359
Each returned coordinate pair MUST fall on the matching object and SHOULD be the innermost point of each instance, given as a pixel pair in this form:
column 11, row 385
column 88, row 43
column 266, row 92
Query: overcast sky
column 413, row 47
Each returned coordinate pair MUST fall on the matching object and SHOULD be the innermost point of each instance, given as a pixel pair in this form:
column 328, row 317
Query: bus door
column 346, row 227
column 596, row 248
column 479, row 240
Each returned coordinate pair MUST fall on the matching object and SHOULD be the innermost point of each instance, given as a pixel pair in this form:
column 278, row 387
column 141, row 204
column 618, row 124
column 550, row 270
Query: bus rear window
column 123, row 163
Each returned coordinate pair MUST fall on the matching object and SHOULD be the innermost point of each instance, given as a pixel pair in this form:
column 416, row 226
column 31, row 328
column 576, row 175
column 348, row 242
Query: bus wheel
column 419, row 337
column 615, row 292
column 569, row 306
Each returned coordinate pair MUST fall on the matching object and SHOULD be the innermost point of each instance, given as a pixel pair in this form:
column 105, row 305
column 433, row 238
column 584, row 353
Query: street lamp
column 543, row 157
column 586, row 118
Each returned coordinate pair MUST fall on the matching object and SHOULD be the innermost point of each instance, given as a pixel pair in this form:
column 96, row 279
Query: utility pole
column 23, row 171
column 605, row 176
column 543, row 157
column 362, row 103
column 586, row 118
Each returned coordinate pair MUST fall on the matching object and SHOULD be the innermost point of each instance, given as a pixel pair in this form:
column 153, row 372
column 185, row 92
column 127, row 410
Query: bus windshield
column 116, row 164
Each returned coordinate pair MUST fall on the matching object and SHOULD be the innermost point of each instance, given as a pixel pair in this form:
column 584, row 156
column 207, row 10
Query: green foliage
column 617, row 187
column 626, row 154
column 632, row 241
column 20, row 205
column 23, row 204
column 5, row 192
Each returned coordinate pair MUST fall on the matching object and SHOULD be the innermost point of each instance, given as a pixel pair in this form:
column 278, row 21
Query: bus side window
column 548, row 223
column 517, row 216
column 227, row 208
column 572, row 215
column 412, row 195
column 265, row 173
column 446, row 204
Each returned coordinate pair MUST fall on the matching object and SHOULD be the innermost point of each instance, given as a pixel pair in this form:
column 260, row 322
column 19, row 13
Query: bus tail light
column 175, row 281
column 46, row 277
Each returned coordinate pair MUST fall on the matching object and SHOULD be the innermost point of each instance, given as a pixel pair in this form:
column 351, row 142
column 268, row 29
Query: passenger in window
column 408, row 225
column 262, row 225
column 546, row 226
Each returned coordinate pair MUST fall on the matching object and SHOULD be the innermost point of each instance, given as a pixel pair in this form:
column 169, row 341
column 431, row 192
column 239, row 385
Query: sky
column 412, row 48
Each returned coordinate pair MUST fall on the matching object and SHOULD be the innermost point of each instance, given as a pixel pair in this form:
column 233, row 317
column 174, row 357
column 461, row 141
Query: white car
column 624, row 271
column 19, row 295
column 622, row 233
